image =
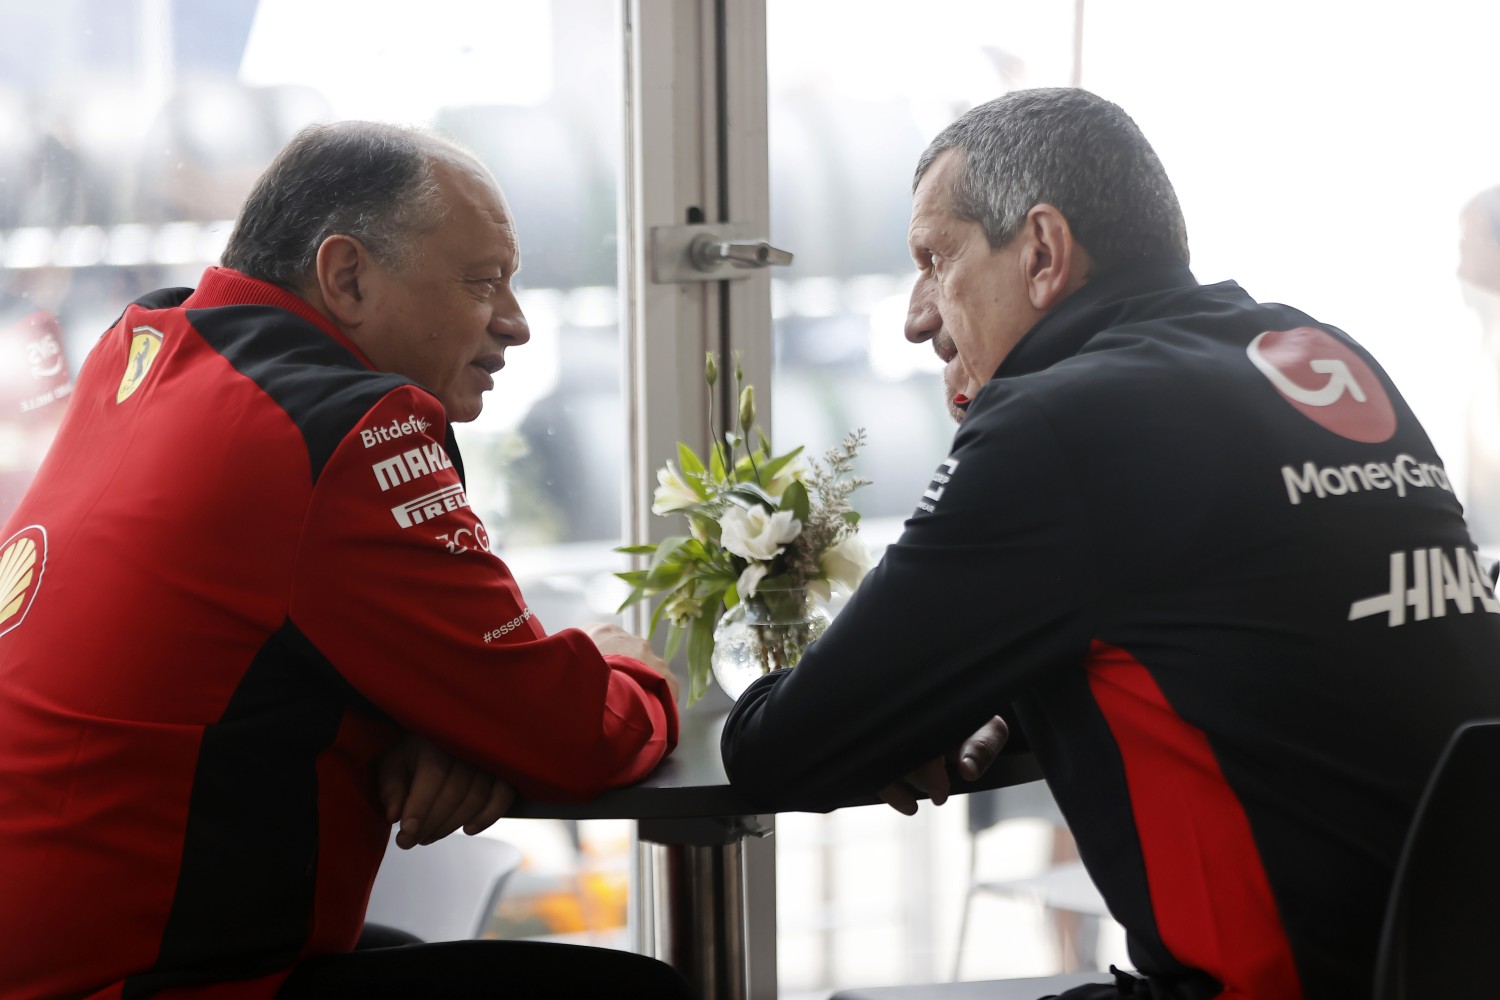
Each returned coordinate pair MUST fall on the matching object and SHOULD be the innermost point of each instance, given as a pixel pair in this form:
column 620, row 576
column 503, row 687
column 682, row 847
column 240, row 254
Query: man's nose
column 508, row 324
column 922, row 318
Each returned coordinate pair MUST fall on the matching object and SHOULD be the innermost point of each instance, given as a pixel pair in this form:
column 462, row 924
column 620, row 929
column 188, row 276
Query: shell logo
column 144, row 347
column 22, row 559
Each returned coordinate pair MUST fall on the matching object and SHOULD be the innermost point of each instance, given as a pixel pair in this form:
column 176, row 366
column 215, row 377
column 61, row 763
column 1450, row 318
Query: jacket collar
column 1112, row 297
column 222, row 286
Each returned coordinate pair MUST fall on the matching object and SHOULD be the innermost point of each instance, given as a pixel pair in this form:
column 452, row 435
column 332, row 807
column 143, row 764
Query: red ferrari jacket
column 247, row 565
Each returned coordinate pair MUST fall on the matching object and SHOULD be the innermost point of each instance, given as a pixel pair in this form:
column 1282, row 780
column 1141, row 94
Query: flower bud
column 711, row 370
column 747, row 408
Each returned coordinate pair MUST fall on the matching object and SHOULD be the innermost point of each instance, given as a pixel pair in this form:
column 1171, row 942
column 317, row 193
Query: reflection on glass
column 847, row 124
column 130, row 133
column 1479, row 281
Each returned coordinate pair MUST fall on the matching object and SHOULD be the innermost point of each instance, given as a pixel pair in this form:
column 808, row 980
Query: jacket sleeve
column 396, row 586
column 985, row 590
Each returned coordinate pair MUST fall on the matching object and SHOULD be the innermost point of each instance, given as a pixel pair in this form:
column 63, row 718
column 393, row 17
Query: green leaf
column 674, row 639
column 707, row 525
column 635, row 598
column 636, row 550
column 667, row 576
column 775, row 465
column 851, row 517
column 716, row 462
column 699, row 655
column 668, row 550
column 749, row 495
column 781, row 581
column 661, row 607
column 795, row 500
column 765, row 442
column 689, row 460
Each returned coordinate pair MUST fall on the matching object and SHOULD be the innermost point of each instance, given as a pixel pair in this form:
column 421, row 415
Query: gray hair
column 1070, row 149
column 368, row 180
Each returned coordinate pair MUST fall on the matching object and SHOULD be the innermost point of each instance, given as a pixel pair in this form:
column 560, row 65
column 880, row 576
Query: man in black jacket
column 1196, row 549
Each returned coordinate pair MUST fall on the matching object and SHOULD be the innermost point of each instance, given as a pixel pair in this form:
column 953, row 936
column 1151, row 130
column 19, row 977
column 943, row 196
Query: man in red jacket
column 233, row 594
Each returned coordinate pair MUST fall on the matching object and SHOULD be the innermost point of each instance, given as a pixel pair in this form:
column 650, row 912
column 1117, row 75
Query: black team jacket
column 1203, row 557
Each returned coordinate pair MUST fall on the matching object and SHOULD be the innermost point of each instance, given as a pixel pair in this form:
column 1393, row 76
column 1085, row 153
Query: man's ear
column 1056, row 265
column 343, row 278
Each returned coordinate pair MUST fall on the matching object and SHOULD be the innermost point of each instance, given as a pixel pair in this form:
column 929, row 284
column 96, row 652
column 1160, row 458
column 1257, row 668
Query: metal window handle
column 712, row 251
column 708, row 252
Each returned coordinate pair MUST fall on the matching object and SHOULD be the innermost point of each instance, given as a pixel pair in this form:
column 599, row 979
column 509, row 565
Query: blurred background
column 1327, row 153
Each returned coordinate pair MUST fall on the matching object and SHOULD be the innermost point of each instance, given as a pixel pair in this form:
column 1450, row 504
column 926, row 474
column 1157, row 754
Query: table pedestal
column 691, row 900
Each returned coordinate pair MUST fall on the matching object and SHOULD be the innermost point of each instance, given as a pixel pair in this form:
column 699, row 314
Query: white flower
column 847, row 562
column 750, row 579
column 756, row 533
column 674, row 493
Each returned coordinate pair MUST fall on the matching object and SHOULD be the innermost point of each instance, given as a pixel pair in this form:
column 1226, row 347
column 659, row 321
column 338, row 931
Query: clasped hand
column 973, row 757
column 432, row 793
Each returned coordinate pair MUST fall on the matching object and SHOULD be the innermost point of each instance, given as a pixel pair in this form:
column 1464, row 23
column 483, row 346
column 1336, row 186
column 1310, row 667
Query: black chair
column 1442, row 924
column 1442, row 921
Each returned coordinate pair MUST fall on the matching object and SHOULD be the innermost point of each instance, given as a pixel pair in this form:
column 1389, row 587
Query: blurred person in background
column 1479, row 279
column 249, row 622
column 1196, row 550
column 34, row 385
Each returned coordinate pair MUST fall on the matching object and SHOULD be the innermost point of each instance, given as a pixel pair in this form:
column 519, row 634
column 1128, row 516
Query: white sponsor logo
column 464, row 540
column 45, row 356
column 1340, row 378
column 434, row 504
column 1434, row 582
column 414, row 464
column 509, row 626
column 938, row 486
column 1404, row 473
column 50, row 396
column 371, row 436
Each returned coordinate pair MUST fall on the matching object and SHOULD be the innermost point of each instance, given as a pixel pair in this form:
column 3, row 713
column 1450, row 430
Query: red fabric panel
column 1209, row 891
column 391, row 586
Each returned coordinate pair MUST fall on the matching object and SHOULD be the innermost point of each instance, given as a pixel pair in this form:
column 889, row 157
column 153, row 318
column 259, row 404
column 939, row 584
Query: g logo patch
column 1325, row 381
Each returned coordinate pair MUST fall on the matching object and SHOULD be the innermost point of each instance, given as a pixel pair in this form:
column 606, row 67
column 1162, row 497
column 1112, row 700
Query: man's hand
column 973, row 757
column 433, row 794
column 612, row 638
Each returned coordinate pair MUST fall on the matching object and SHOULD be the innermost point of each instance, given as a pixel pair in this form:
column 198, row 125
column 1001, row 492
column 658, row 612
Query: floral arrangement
column 762, row 529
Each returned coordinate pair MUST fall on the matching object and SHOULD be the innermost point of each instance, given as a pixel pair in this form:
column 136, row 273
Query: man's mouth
column 491, row 363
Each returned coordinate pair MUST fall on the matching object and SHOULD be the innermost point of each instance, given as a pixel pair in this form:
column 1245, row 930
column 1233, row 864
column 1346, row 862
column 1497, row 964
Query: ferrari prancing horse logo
column 22, row 559
column 144, row 347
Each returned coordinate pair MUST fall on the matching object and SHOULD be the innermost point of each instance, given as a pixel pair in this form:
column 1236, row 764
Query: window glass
column 857, row 89
column 130, row 133
column 1335, row 156
column 1327, row 165
column 847, row 123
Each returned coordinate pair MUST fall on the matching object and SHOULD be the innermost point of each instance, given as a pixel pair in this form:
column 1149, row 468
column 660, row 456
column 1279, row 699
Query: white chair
column 442, row 892
column 1065, row 886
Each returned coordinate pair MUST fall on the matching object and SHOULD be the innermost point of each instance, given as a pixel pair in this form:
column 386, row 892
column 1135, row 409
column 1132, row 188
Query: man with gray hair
column 250, row 620
column 1194, row 549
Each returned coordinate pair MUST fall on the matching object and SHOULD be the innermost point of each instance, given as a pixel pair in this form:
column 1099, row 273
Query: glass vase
column 767, row 632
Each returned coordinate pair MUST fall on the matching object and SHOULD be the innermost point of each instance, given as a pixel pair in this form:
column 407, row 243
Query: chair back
column 445, row 891
column 1442, row 924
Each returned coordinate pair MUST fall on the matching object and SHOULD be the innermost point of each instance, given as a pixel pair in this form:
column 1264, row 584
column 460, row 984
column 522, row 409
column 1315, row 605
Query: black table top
column 691, row 782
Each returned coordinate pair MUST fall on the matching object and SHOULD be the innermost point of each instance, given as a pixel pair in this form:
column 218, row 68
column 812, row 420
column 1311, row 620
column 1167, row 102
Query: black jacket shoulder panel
column 324, row 388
